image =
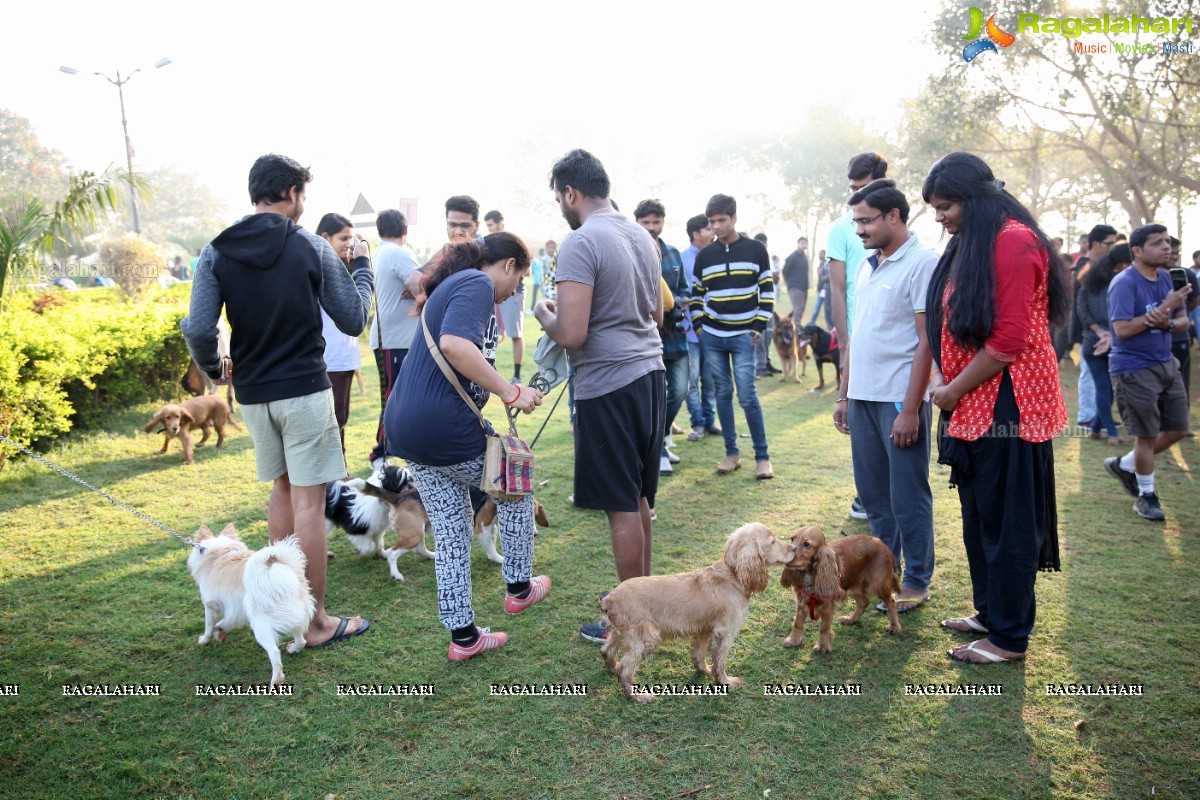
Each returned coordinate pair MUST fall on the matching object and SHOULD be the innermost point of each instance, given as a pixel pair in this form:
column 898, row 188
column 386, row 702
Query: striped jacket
column 732, row 288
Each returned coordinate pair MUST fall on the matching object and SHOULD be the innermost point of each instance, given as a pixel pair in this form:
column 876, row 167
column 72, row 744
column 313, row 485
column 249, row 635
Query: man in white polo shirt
column 882, row 403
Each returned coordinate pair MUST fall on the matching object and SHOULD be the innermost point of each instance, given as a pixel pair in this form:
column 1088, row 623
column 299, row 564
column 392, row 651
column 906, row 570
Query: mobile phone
column 1179, row 278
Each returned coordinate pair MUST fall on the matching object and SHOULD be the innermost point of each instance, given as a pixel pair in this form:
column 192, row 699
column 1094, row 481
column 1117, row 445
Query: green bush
column 66, row 365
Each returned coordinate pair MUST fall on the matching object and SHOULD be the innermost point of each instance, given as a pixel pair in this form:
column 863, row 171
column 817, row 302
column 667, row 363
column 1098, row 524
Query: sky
column 429, row 99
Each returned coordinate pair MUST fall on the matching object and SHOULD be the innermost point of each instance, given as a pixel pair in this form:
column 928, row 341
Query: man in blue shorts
column 612, row 336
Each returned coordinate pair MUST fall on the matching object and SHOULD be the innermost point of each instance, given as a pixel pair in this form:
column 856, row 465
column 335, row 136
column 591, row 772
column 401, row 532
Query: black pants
column 388, row 363
column 1007, row 507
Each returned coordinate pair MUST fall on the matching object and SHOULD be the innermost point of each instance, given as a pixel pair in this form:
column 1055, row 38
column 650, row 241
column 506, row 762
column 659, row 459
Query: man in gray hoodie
column 273, row 277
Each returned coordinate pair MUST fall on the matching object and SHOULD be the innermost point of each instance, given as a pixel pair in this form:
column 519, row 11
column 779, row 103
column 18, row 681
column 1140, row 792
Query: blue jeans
column 701, row 408
column 1098, row 368
column 822, row 302
column 677, row 385
column 893, row 484
column 762, row 349
column 729, row 360
column 1087, row 393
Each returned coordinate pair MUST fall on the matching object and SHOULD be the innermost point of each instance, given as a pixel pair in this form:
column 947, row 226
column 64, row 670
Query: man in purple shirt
column 1144, row 311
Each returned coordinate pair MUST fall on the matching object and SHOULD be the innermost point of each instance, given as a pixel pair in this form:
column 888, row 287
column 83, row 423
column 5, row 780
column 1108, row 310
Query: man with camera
column 650, row 214
column 1145, row 307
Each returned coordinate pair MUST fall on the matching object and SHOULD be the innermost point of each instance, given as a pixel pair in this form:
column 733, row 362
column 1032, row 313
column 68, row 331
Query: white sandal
column 992, row 658
column 970, row 622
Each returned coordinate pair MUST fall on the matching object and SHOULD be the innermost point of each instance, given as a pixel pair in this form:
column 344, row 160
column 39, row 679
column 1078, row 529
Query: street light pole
column 120, row 82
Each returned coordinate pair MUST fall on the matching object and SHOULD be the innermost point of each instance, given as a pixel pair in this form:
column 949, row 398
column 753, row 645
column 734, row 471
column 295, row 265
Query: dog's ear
column 203, row 533
column 229, row 531
column 157, row 419
column 186, row 416
column 826, row 581
column 744, row 555
column 540, row 516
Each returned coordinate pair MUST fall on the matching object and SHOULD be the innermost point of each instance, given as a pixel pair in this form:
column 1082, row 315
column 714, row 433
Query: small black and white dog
column 366, row 518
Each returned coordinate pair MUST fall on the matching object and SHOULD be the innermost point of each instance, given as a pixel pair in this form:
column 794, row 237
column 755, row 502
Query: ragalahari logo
column 995, row 36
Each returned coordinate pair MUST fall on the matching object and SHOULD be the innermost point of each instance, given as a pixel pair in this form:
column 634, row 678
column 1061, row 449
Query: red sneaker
column 539, row 587
column 486, row 641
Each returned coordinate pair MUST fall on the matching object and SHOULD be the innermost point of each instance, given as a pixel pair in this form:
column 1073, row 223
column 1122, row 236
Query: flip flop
column 992, row 658
column 971, row 623
column 340, row 634
column 913, row 602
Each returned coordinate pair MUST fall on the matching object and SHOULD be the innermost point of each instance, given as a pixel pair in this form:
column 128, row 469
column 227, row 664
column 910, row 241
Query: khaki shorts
column 297, row 437
column 1152, row 400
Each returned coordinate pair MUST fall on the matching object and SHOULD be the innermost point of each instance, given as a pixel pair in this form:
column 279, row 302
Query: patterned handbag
column 508, row 461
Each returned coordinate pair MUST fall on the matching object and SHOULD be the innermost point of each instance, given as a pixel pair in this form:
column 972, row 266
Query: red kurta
column 1020, row 337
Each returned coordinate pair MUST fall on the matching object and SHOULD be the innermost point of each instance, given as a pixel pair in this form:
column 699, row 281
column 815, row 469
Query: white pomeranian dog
column 265, row 589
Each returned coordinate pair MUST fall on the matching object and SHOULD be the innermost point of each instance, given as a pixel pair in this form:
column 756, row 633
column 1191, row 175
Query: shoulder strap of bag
column 448, row 371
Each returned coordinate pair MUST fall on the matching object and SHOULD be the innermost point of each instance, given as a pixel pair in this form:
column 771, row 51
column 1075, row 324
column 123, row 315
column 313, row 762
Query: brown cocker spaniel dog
column 707, row 605
column 823, row 574
column 204, row 412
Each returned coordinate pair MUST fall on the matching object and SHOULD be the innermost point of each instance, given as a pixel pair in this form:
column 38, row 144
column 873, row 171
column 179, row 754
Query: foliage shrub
column 69, row 365
column 133, row 261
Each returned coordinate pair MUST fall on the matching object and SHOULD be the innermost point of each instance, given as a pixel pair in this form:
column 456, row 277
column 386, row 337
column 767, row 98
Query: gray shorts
column 1152, row 400
column 298, row 437
column 512, row 316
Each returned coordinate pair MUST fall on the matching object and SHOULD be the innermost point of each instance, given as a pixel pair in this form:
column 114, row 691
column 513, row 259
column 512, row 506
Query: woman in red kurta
column 991, row 301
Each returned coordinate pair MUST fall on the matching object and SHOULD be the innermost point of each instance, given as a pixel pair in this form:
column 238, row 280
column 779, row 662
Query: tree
column 1132, row 114
column 183, row 210
column 811, row 162
column 29, row 227
column 25, row 165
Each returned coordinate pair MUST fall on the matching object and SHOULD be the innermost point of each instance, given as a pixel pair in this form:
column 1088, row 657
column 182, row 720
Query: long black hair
column 473, row 254
column 969, row 260
column 1101, row 274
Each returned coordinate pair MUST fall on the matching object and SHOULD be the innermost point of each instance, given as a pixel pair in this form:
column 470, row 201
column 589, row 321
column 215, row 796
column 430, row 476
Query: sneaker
column 664, row 465
column 516, row 381
column 539, row 587
column 857, row 510
column 1127, row 478
column 1147, row 507
column 669, row 442
column 595, row 632
column 674, row 459
column 486, row 641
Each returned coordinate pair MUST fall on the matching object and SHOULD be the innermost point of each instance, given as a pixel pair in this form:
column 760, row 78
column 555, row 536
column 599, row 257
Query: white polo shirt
column 887, row 294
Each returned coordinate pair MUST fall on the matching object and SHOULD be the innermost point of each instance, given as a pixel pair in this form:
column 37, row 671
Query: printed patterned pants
column 444, row 491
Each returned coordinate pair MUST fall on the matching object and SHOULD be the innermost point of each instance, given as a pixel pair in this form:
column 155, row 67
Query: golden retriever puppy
column 823, row 574
column 707, row 605
column 207, row 411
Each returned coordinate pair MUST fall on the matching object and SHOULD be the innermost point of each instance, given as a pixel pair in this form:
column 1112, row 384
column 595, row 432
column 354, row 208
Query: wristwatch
column 1171, row 325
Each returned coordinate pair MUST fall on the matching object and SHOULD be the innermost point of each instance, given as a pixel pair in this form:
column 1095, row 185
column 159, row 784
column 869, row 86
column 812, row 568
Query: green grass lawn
column 91, row 594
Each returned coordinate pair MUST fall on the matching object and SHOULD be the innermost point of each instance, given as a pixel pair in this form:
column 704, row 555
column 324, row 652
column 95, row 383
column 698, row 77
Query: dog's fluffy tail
column 276, row 586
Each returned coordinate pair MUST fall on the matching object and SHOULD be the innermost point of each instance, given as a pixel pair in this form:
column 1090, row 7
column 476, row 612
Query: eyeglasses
column 462, row 226
column 864, row 221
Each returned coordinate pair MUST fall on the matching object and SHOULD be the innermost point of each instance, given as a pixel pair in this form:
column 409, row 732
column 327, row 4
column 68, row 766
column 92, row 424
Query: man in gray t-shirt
column 394, row 325
column 607, row 315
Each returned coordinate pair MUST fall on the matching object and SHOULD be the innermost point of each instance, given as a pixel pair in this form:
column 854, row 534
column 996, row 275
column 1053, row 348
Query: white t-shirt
column 885, row 340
